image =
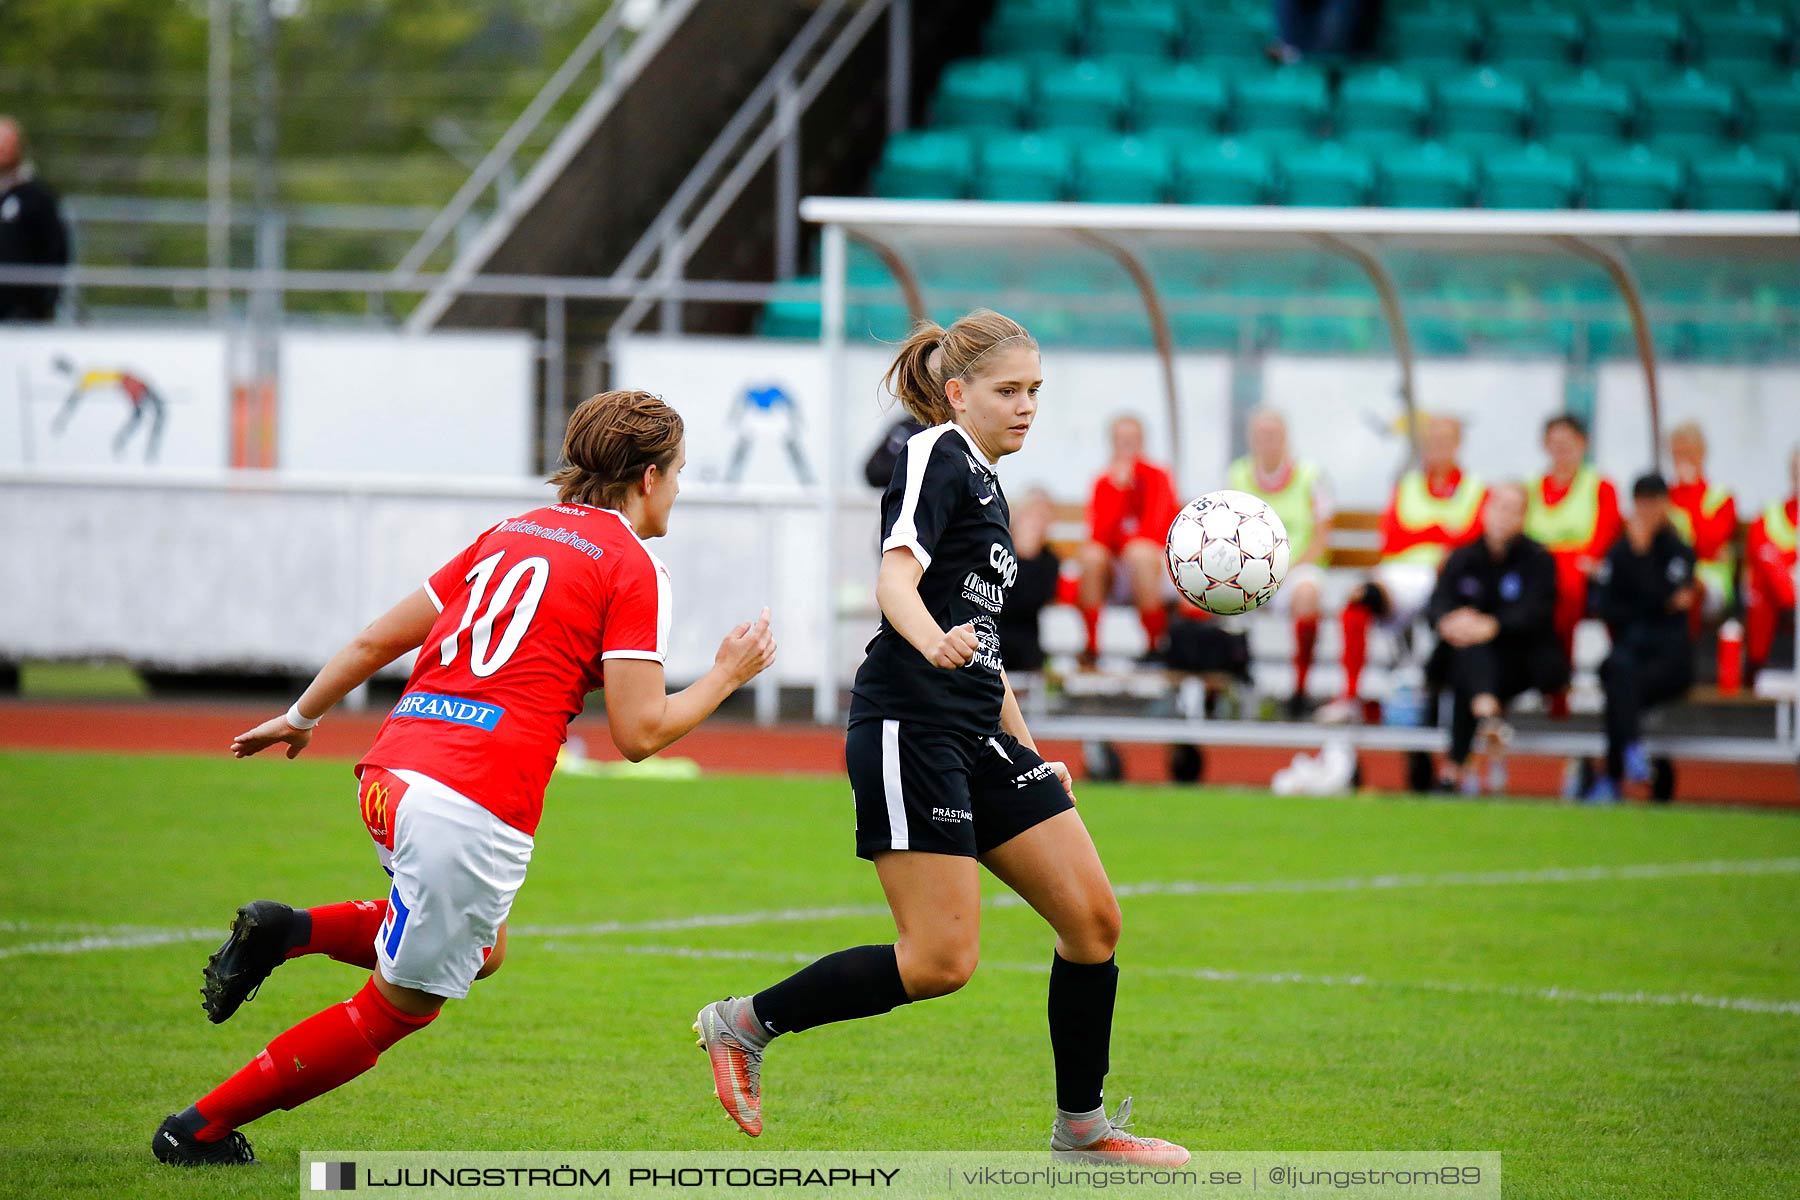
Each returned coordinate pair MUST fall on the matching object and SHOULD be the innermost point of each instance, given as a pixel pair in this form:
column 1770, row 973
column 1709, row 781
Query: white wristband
column 296, row 720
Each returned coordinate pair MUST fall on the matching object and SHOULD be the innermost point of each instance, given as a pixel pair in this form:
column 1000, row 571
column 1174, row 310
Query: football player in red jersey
column 512, row 633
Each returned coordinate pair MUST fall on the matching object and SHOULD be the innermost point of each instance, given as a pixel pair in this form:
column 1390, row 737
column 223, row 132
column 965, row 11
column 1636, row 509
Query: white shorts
column 1297, row 574
column 1408, row 586
column 455, row 867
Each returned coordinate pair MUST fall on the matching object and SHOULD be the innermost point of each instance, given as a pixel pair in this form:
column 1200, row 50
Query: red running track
column 179, row 728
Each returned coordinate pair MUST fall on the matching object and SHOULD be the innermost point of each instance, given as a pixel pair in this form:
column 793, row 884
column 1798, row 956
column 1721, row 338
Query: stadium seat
column 1689, row 113
column 1583, row 112
column 1127, row 170
column 1482, row 109
column 929, row 164
column 1081, row 95
column 1535, row 42
column 1230, row 32
column 1381, row 106
column 1426, row 175
column 1531, row 176
column 1637, row 45
column 1284, row 101
column 1023, row 166
column 1742, row 180
column 1636, row 178
column 1034, row 28
column 983, row 93
column 1746, row 44
column 1438, row 37
column 1180, row 98
column 1774, row 115
column 795, row 315
column 1227, row 171
column 1134, row 29
column 1327, row 175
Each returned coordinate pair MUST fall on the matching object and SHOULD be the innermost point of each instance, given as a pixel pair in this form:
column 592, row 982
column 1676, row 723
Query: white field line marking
column 1559, row 995
column 109, row 937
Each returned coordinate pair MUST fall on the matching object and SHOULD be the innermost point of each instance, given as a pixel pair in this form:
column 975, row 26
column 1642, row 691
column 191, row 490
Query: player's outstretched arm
column 645, row 719
column 401, row 628
column 897, row 591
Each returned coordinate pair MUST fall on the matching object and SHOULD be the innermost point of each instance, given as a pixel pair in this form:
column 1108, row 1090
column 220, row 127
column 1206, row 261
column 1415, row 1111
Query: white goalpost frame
column 1588, row 233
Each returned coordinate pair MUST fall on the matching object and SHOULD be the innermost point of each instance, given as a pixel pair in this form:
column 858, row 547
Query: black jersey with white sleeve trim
column 945, row 505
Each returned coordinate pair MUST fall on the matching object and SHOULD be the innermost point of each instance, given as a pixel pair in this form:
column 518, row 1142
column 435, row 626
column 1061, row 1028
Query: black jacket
column 1518, row 589
column 32, row 234
column 1631, row 591
column 880, row 467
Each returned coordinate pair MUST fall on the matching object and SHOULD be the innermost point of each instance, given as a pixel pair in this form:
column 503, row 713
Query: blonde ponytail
column 918, row 383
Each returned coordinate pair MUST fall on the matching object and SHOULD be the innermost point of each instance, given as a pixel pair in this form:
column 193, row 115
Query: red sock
column 1156, row 623
column 1558, row 704
column 1759, row 630
column 325, row 1051
column 1090, row 618
column 345, row 932
column 1356, row 646
column 1306, row 637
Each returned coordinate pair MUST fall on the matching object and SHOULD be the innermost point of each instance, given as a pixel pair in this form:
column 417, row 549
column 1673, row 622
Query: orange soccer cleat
column 736, row 1067
column 1107, row 1140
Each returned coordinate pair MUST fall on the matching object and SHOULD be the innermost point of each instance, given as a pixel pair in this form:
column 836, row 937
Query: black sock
column 1081, row 1016
column 860, row 982
column 190, row 1120
column 300, row 930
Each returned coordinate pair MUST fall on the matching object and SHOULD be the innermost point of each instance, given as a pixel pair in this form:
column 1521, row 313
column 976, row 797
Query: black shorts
column 944, row 792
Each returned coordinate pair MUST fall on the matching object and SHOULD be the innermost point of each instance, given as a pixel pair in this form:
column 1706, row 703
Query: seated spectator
column 1320, row 29
column 1770, row 551
column 1434, row 509
column 1643, row 589
column 1129, row 515
column 1573, row 513
column 1705, row 516
column 1036, row 586
column 1296, row 491
column 1494, row 608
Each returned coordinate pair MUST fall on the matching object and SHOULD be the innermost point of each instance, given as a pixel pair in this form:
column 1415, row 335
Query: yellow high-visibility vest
column 1293, row 503
column 1416, row 508
column 1568, row 525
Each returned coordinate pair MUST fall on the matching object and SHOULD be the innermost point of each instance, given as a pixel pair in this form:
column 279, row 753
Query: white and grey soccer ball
column 1227, row 552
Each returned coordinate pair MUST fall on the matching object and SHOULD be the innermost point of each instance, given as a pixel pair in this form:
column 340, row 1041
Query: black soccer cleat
column 258, row 943
column 179, row 1148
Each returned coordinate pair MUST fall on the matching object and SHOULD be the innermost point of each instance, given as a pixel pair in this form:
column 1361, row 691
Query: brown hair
column 918, row 382
column 612, row 437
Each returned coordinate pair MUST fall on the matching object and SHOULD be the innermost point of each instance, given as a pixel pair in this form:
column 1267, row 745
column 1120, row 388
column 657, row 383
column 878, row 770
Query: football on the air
column 1227, row 552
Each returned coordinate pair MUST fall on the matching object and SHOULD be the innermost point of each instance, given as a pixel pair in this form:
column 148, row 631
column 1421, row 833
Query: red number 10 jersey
column 527, row 616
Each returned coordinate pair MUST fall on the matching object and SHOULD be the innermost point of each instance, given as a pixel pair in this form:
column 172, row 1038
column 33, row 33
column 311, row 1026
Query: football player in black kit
column 943, row 768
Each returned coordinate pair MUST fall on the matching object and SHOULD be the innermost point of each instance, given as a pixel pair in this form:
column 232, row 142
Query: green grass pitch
column 1483, row 1000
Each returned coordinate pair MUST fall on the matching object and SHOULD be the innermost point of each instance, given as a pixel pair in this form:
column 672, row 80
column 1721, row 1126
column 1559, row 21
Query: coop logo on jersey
column 453, row 709
column 1002, row 560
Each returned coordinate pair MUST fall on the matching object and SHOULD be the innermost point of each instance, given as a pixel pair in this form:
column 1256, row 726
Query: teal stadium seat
column 1687, row 114
column 1583, row 112
column 1482, row 109
column 793, row 312
column 983, row 93
column 1534, row 42
column 1327, row 175
column 1034, row 29
column 1081, row 95
column 1636, row 45
column 1123, row 170
column 1284, row 102
column 926, row 164
column 1180, row 98
column 1227, row 171
column 1134, row 30
column 1532, row 176
column 1634, row 178
column 1023, row 166
column 1438, row 37
column 1426, row 175
column 1746, row 44
column 1742, row 180
column 1230, row 32
column 1774, row 115
column 1381, row 106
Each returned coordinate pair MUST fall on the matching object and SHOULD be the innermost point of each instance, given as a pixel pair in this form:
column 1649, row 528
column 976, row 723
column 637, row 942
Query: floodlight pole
column 218, row 149
column 831, row 338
